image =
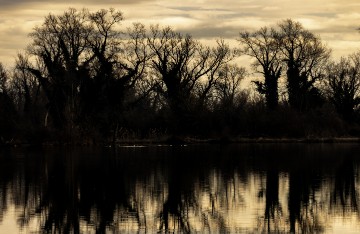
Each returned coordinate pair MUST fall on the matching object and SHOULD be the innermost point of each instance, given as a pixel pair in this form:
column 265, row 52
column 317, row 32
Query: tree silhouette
column 8, row 113
column 3, row 79
column 342, row 85
column 264, row 47
column 227, row 86
column 28, row 95
column 60, row 45
column 305, row 56
column 184, row 66
column 86, row 67
column 85, row 80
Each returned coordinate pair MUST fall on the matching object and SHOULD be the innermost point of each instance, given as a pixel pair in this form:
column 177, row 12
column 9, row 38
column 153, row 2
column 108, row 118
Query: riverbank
column 189, row 140
column 178, row 140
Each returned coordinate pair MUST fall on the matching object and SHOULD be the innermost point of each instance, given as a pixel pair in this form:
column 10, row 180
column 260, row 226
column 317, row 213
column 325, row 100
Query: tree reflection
column 295, row 199
column 178, row 202
column 177, row 189
column 273, row 210
column 303, row 205
column 345, row 195
column 6, row 176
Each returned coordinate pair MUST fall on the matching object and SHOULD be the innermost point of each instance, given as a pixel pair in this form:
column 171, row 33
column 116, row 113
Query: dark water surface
column 205, row 189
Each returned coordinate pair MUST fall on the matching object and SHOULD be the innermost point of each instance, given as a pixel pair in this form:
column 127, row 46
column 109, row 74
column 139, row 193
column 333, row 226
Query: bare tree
column 60, row 45
column 342, row 85
column 264, row 47
column 87, row 66
column 24, row 85
column 305, row 57
column 184, row 66
column 227, row 86
column 219, row 72
column 119, row 64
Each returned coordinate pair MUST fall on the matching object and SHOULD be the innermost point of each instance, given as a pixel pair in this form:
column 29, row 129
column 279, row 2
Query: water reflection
column 235, row 188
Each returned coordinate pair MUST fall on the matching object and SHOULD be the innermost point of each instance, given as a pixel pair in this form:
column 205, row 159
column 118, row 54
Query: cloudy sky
column 336, row 21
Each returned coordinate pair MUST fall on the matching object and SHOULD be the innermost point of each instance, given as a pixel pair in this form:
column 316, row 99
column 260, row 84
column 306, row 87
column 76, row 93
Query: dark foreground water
column 205, row 189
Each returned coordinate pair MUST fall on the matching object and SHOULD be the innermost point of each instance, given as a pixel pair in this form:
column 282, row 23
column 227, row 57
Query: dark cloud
column 337, row 30
column 331, row 15
column 208, row 31
column 164, row 15
column 232, row 16
column 186, row 8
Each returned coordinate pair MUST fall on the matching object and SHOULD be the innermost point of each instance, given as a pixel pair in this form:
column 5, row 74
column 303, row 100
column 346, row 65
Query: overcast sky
column 336, row 21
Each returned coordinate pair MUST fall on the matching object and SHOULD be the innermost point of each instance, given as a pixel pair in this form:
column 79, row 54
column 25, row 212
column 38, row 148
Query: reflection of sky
column 233, row 205
column 335, row 20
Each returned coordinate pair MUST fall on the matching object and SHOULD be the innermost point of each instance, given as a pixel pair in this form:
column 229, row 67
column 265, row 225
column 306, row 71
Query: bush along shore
column 84, row 80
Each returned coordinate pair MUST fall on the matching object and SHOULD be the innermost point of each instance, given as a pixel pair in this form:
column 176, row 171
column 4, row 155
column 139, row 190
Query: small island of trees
column 85, row 79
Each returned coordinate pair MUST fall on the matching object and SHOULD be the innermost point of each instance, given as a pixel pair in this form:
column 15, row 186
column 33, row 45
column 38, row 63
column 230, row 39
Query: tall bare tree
column 263, row 46
column 60, row 45
column 86, row 65
column 185, row 67
column 305, row 57
column 342, row 85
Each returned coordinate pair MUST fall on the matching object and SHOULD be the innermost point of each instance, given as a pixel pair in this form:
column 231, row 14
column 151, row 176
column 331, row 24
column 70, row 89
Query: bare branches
column 342, row 84
column 184, row 64
column 265, row 48
column 3, row 79
column 305, row 57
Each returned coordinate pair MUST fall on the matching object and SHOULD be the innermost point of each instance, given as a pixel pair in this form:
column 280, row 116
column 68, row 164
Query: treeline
column 86, row 79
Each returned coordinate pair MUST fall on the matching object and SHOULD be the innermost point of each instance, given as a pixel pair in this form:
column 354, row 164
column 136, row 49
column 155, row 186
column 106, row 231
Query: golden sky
column 336, row 21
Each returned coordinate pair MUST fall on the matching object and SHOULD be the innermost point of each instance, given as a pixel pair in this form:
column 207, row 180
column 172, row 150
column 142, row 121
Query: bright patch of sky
column 336, row 21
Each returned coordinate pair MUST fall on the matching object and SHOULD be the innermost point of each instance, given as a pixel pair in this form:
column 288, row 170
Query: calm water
column 205, row 189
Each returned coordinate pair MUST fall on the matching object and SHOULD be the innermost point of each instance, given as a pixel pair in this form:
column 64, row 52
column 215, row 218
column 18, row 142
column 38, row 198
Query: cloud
column 335, row 21
column 328, row 15
column 16, row 3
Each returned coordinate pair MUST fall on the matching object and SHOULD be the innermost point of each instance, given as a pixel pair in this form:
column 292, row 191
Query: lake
column 235, row 188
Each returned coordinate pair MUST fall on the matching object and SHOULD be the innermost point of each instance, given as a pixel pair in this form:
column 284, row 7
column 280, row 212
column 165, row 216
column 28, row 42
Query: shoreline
column 241, row 140
column 178, row 141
